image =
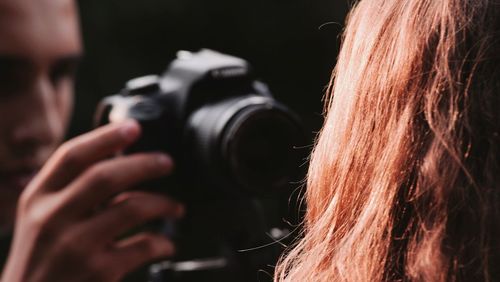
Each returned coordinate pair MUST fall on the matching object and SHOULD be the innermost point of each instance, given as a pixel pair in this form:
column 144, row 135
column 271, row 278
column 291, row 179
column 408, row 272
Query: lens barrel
column 250, row 140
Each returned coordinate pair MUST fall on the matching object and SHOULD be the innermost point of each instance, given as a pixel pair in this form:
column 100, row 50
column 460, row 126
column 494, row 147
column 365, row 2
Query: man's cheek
column 65, row 103
column 3, row 155
column 4, row 147
column 8, row 204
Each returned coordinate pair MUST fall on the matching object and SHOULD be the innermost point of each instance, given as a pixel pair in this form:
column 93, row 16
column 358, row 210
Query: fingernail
column 130, row 130
column 164, row 160
column 179, row 210
column 170, row 250
column 165, row 248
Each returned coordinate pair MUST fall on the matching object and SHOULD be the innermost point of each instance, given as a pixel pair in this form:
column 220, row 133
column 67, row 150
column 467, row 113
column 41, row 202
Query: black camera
column 236, row 149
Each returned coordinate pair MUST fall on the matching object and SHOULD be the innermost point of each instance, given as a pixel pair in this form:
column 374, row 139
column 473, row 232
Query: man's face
column 39, row 48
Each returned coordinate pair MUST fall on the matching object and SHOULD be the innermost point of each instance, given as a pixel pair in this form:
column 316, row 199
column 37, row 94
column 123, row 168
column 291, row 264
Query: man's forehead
column 31, row 27
column 31, row 9
column 19, row 7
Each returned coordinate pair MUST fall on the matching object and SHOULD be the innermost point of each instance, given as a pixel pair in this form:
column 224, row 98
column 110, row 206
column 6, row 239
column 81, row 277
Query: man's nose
column 41, row 123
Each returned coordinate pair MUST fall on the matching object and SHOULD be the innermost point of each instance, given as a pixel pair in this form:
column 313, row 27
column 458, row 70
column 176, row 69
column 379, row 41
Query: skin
column 71, row 213
column 38, row 55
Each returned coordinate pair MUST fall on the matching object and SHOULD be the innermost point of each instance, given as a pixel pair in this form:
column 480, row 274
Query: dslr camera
column 238, row 155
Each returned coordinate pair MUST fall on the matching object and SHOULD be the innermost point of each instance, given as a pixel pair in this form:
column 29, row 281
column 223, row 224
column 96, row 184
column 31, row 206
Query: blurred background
column 292, row 45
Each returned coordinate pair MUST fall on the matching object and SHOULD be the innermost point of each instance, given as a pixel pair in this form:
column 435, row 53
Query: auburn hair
column 404, row 179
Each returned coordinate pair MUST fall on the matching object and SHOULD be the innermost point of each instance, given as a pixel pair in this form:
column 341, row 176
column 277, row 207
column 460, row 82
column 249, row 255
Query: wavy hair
column 404, row 179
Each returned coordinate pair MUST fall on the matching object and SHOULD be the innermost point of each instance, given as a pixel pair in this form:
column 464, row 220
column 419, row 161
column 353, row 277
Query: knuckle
column 41, row 217
column 66, row 247
column 70, row 247
column 147, row 246
column 25, row 202
column 133, row 210
column 98, row 269
column 42, row 222
column 68, row 156
column 100, row 176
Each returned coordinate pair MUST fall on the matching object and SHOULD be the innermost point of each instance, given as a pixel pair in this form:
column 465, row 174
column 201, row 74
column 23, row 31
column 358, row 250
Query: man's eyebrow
column 8, row 61
column 67, row 65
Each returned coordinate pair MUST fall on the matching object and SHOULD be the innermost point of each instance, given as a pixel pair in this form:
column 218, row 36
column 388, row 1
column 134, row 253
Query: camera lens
column 247, row 142
column 260, row 145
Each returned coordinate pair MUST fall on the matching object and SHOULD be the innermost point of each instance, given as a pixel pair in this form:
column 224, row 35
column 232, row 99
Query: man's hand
column 71, row 214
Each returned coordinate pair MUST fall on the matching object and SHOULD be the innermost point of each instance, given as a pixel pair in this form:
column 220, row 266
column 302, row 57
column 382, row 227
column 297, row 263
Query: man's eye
column 13, row 80
column 61, row 71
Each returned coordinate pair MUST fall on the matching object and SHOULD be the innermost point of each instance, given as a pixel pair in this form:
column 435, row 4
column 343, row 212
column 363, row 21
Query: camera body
column 236, row 150
column 221, row 125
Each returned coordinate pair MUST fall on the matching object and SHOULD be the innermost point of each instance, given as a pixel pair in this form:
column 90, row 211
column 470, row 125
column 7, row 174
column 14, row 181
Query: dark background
column 292, row 45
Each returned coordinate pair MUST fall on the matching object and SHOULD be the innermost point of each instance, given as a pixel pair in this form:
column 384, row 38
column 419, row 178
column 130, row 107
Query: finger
column 138, row 250
column 110, row 177
column 130, row 210
column 76, row 155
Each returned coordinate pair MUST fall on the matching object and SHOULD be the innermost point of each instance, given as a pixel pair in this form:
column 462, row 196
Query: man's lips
column 16, row 179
